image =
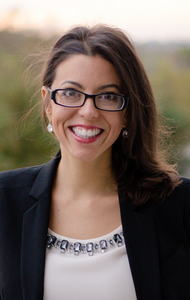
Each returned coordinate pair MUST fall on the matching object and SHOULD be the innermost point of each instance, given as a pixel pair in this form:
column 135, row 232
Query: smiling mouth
column 86, row 133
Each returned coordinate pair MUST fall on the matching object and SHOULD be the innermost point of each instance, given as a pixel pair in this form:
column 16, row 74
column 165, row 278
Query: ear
column 47, row 103
column 44, row 91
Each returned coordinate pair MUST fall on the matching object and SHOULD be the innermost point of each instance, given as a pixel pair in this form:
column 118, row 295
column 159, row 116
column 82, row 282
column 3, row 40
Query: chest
column 87, row 218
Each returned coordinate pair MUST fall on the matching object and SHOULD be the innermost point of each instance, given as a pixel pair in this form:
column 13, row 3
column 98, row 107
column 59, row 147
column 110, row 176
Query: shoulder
column 182, row 191
column 179, row 197
column 19, row 177
column 176, row 203
column 37, row 180
column 175, row 208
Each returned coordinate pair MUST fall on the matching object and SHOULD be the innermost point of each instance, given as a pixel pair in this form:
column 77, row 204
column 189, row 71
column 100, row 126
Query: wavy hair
column 140, row 167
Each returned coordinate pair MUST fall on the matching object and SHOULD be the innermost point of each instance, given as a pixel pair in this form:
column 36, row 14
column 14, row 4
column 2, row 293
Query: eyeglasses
column 103, row 101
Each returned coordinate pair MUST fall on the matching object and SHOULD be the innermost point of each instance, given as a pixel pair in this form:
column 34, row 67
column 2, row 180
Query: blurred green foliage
column 168, row 68
column 24, row 142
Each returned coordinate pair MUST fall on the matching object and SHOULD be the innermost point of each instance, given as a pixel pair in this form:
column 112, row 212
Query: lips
column 86, row 133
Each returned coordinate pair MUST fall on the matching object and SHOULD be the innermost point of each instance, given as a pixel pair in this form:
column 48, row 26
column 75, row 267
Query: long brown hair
column 140, row 167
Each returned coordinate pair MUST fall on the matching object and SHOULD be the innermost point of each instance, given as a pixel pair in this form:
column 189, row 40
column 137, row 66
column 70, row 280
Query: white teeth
column 84, row 133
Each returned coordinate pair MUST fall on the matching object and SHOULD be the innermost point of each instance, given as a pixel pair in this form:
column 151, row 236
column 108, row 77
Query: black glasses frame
column 93, row 96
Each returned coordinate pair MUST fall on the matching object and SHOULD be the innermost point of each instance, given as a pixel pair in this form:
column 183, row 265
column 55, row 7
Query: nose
column 88, row 110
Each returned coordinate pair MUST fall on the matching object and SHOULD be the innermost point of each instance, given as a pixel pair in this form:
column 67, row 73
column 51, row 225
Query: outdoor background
column 161, row 34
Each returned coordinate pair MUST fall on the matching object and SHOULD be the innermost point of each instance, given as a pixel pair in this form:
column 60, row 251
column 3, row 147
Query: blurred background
column 160, row 31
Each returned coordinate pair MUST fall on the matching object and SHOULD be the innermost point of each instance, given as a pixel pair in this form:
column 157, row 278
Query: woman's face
column 71, row 126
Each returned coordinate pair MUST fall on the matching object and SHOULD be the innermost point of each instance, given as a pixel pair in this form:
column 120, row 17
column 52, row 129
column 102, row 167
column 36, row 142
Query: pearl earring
column 50, row 128
column 125, row 133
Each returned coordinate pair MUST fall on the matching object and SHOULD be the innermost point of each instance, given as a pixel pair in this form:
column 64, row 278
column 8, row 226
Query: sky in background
column 163, row 20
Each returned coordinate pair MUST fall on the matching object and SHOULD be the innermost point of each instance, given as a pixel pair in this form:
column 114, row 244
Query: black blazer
column 157, row 238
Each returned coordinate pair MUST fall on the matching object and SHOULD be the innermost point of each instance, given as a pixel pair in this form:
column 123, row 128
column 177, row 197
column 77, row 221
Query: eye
column 108, row 97
column 70, row 94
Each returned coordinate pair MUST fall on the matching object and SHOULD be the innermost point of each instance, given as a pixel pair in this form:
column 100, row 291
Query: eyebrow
column 108, row 86
column 112, row 85
column 72, row 82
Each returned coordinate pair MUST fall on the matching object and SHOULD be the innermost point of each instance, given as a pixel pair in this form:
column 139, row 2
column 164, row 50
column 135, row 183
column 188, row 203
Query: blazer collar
column 44, row 180
column 34, row 232
column 142, row 249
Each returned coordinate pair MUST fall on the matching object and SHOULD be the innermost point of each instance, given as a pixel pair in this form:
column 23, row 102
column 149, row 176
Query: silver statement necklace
column 89, row 248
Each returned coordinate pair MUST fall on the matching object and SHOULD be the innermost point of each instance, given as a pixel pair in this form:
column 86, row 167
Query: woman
column 115, row 215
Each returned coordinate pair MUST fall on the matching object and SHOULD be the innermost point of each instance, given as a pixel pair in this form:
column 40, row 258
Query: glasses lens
column 110, row 101
column 69, row 97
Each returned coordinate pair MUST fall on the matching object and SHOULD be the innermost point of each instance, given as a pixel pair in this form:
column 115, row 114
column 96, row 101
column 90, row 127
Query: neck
column 86, row 178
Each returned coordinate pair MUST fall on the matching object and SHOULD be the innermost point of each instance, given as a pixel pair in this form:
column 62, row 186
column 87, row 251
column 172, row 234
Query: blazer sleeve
column 187, row 210
column 15, row 186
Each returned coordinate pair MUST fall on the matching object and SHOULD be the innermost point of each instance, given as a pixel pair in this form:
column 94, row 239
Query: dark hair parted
column 141, row 171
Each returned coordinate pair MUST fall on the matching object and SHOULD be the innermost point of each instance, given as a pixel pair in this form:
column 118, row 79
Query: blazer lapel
column 34, row 233
column 141, row 244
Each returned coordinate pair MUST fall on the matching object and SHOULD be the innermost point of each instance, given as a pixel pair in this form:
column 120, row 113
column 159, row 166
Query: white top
column 96, row 276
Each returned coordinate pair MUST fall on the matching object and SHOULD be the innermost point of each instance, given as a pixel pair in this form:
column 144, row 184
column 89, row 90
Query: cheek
column 61, row 114
column 117, row 121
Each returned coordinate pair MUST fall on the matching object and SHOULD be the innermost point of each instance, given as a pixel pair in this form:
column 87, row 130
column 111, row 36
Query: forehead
column 86, row 70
